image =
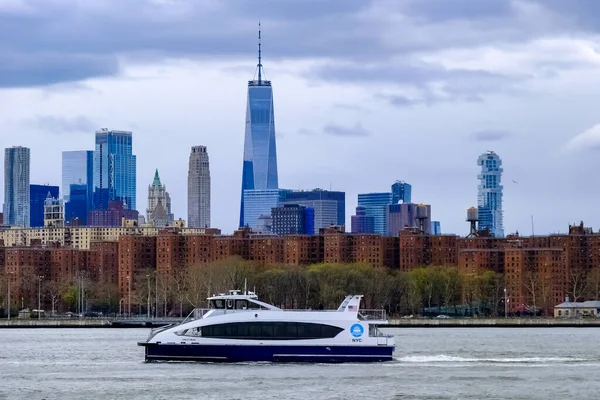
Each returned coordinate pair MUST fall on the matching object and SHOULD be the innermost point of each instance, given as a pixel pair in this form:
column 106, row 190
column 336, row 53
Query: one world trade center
column 260, row 152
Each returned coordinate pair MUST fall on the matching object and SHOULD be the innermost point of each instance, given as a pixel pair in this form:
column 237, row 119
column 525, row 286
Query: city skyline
column 340, row 121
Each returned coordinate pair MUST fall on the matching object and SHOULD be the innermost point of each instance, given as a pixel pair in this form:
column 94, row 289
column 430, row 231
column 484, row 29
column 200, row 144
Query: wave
column 442, row 358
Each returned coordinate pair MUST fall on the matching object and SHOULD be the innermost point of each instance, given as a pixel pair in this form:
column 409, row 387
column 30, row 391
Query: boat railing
column 372, row 315
column 197, row 313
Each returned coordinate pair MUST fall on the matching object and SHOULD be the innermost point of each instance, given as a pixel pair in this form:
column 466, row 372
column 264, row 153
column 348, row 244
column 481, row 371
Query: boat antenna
column 245, row 286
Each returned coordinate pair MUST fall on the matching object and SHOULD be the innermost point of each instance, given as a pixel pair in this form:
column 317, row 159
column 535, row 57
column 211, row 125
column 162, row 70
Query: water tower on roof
column 472, row 218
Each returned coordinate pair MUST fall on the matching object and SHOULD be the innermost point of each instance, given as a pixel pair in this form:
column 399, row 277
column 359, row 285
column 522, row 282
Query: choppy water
column 433, row 363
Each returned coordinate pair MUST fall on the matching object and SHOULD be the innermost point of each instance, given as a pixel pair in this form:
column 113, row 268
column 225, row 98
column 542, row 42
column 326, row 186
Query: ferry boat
column 238, row 327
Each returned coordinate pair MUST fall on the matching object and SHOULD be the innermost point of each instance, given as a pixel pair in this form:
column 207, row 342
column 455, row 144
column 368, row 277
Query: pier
column 99, row 322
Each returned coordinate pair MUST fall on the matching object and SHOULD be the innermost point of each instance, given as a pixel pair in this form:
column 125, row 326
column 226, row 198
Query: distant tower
column 472, row 218
column 199, row 188
column 158, row 212
column 16, row 186
column 489, row 197
column 114, row 169
column 54, row 212
column 401, row 191
column 260, row 152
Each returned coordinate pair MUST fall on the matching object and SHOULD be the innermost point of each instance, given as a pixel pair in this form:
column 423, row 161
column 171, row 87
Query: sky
column 366, row 93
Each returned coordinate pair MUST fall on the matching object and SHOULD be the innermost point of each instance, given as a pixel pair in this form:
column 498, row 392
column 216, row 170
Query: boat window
column 271, row 331
column 218, row 304
column 229, row 304
column 253, row 306
column 241, row 304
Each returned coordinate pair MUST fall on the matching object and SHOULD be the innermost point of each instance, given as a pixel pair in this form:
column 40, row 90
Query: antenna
column 259, row 56
column 245, row 286
column 532, row 231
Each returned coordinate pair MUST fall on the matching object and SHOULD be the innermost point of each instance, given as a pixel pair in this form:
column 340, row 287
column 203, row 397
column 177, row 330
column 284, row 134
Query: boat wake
column 442, row 358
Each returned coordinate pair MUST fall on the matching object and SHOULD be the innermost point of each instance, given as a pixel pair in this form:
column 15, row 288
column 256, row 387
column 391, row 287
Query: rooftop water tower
column 472, row 218
column 421, row 216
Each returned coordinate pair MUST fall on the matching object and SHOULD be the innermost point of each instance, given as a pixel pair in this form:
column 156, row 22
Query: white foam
column 442, row 358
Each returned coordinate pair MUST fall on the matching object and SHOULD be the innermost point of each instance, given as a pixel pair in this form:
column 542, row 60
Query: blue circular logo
column 357, row 330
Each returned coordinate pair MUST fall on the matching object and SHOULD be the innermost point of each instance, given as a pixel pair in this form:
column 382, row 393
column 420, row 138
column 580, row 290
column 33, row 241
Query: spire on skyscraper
column 259, row 66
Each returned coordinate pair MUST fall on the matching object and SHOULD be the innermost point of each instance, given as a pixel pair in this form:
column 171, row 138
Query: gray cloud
column 61, row 125
column 305, row 132
column 339, row 130
column 53, row 41
column 490, row 135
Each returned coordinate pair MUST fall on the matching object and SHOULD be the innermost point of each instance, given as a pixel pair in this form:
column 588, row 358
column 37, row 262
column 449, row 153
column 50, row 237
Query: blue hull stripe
column 183, row 352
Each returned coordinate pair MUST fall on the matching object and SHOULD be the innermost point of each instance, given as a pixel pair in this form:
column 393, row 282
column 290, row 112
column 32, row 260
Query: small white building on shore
column 577, row 309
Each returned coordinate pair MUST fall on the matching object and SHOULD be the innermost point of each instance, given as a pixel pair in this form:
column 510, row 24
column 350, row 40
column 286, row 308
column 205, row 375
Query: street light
column 40, row 277
column 120, row 304
column 129, row 296
column 148, row 305
column 505, row 305
column 10, row 273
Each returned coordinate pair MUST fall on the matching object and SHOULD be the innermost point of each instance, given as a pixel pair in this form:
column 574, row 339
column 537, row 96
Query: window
column 271, row 331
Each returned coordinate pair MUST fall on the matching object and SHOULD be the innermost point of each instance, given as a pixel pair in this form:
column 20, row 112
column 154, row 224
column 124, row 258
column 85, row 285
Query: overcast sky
column 366, row 93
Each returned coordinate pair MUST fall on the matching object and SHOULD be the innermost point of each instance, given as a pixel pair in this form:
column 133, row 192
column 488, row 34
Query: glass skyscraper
column 16, row 186
column 114, row 169
column 375, row 205
column 78, row 169
column 260, row 152
column 401, row 191
column 261, row 202
column 489, row 196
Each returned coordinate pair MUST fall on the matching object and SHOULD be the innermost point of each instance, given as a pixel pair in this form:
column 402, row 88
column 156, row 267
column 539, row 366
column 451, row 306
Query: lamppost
column 8, row 276
column 505, row 305
column 148, row 305
column 129, row 295
column 156, row 295
column 120, row 304
column 40, row 277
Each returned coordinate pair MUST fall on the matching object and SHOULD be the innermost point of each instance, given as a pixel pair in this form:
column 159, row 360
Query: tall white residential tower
column 199, row 188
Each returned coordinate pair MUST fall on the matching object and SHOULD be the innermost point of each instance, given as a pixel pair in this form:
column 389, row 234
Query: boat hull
column 276, row 353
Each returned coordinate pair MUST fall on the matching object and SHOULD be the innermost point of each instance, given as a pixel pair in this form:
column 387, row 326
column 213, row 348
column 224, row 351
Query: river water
column 430, row 363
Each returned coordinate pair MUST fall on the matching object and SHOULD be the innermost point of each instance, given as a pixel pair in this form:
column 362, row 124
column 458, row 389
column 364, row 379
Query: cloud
column 490, row 135
column 61, row 125
column 338, row 130
column 306, row 132
column 587, row 140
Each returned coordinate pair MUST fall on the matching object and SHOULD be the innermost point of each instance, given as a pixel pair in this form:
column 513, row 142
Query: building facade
column 405, row 215
column 375, row 205
column 114, row 169
column 77, row 208
column 16, row 206
column 54, row 212
column 199, row 188
column 158, row 212
column 113, row 216
column 260, row 202
column 361, row 222
column 291, row 219
column 320, row 200
column 401, row 192
column 260, row 150
column 78, row 169
column 489, row 196
column 37, row 199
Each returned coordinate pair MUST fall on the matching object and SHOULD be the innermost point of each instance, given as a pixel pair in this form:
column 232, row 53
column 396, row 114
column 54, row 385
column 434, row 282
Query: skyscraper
column 16, row 186
column 489, row 196
column 37, row 198
column 114, row 169
column 375, row 205
column 401, row 191
column 199, row 188
column 78, row 168
column 158, row 212
column 259, row 203
column 260, row 153
column 329, row 206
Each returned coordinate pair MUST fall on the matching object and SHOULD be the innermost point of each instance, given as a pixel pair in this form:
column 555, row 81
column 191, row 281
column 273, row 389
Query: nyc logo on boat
column 357, row 330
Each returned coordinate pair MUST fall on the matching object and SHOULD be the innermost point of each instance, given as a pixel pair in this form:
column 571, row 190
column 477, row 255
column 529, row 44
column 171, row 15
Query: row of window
column 266, row 331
